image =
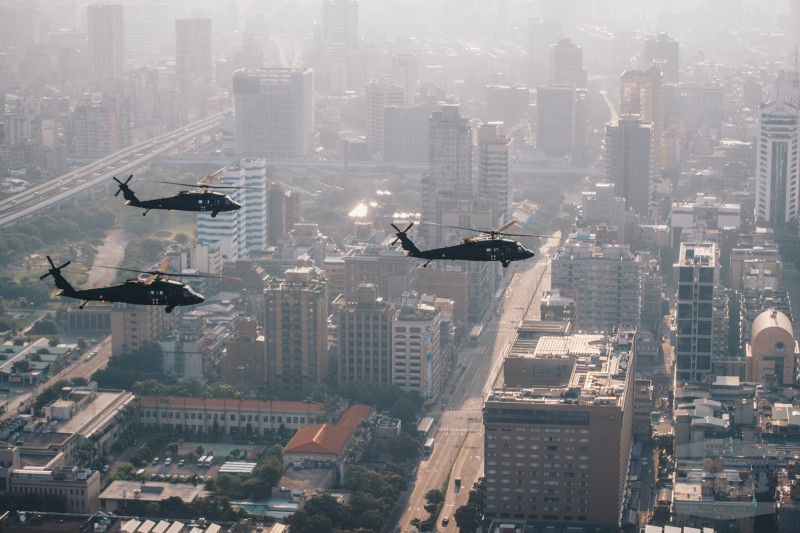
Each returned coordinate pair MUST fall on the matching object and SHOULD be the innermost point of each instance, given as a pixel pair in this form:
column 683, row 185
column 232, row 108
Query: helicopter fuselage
column 166, row 292
column 479, row 249
column 201, row 201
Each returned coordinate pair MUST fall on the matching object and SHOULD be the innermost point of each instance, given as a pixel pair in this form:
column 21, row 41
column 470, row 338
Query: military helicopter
column 198, row 200
column 491, row 246
column 153, row 290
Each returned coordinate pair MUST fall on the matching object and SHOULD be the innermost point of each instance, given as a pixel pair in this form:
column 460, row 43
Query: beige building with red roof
column 326, row 443
column 224, row 415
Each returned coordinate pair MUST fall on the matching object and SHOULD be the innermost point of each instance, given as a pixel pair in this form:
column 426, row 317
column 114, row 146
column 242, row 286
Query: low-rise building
column 208, row 416
column 119, row 493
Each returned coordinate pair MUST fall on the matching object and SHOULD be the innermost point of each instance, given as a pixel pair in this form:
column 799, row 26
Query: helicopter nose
column 199, row 298
column 528, row 254
column 237, row 206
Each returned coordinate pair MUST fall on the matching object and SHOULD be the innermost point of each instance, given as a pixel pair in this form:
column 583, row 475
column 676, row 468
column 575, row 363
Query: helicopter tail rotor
column 126, row 191
column 55, row 271
column 399, row 232
column 405, row 242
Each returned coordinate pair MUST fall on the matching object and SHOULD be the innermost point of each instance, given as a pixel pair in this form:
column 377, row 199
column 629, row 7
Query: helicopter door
column 492, row 253
column 155, row 298
column 203, row 206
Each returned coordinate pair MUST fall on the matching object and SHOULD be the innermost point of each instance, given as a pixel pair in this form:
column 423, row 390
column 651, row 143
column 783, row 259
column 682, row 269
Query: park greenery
column 125, row 370
column 375, row 494
column 469, row 516
column 214, row 508
column 267, row 474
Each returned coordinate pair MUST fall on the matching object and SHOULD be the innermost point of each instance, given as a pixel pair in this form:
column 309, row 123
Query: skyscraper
column 377, row 96
column 339, row 26
column 641, row 94
column 558, row 109
column 274, row 112
column 698, row 274
column 629, row 161
column 364, row 328
column 417, row 357
column 664, row 49
column 105, row 30
column 566, row 64
column 449, row 164
column 405, row 73
column 193, row 60
column 405, row 134
column 296, row 329
column 777, row 167
column 495, row 167
column 244, row 231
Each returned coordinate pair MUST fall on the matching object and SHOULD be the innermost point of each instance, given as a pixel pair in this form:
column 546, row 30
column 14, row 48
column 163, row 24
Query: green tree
column 404, row 447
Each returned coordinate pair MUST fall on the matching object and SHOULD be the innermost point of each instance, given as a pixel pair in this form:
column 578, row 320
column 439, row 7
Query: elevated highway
column 48, row 195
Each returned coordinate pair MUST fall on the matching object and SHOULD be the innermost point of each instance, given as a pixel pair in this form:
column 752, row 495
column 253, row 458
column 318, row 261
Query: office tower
column 507, row 104
column 641, row 94
column 101, row 125
column 244, row 231
column 629, row 161
column 377, row 96
column 664, row 49
column 557, row 443
column 561, row 120
column 405, row 134
column 602, row 206
column 608, row 279
column 566, row 64
column 449, row 165
column 339, row 26
column 772, row 353
column 418, row 362
column 495, row 168
column 698, row 274
column 390, row 271
column 752, row 93
column 105, row 30
column 364, row 331
column 274, row 112
column 193, row 60
column 276, row 213
column 144, row 89
column 405, row 73
column 244, row 362
column 541, row 34
column 296, row 330
column 777, row 168
column 700, row 104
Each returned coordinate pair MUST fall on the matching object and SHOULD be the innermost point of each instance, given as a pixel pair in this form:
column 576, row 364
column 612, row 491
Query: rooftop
column 152, row 491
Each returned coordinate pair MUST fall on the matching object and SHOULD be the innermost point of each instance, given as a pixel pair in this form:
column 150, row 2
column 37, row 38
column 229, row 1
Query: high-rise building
column 405, row 73
column 608, row 279
column 541, row 34
column 100, row 125
column 418, row 364
column 390, row 271
column 665, row 50
column 276, row 213
column 244, row 231
column 193, row 64
column 133, row 326
column 557, row 444
column 777, row 169
column 641, row 94
column 602, row 206
column 106, row 31
column 495, row 162
column 296, row 331
column 449, row 165
column 377, row 96
column 339, row 26
column 566, row 64
column 274, row 112
column 698, row 274
column 507, row 104
column 364, row 331
column 629, row 161
column 561, row 120
column 405, row 134
column 244, row 362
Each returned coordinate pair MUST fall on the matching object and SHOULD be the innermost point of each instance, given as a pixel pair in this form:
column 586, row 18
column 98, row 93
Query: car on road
column 181, row 462
column 445, row 520
column 105, row 468
column 155, row 461
column 168, row 461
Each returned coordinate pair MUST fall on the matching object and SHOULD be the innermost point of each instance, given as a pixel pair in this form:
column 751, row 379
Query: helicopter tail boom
column 405, row 241
column 126, row 191
column 61, row 282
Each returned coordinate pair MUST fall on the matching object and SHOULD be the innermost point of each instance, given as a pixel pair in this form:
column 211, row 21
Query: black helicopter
column 198, row 200
column 153, row 290
column 491, row 246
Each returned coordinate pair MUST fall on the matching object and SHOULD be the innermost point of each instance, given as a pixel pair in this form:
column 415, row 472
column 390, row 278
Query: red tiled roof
column 354, row 415
column 230, row 404
column 319, row 439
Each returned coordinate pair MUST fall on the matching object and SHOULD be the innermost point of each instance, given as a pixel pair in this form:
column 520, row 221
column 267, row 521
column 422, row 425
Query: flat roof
column 86, row 421
column 152, row 491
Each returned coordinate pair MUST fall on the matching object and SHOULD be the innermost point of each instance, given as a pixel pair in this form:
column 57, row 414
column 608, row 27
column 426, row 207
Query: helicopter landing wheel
column 80, row 306
column 168, row 310
column 214, row 214
column 505, row 264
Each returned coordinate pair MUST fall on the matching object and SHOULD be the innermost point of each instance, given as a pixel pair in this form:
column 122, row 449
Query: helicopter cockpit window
column 519, row 249
column 186, row 293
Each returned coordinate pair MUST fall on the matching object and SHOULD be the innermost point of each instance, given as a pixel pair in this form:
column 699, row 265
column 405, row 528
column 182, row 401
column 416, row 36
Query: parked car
column 155, row 461
column 181, row 462
column 168, row 461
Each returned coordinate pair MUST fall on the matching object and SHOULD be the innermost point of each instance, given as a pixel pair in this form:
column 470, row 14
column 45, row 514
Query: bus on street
column 428, row 448
column 475, row 334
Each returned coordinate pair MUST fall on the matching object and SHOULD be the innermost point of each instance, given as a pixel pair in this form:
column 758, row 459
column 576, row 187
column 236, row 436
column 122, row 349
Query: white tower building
column 495, row 167
column 777, row 168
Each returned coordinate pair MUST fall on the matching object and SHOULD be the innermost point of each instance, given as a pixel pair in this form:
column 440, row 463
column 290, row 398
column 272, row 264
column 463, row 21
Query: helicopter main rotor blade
column 529, row 235
column 205, row 186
